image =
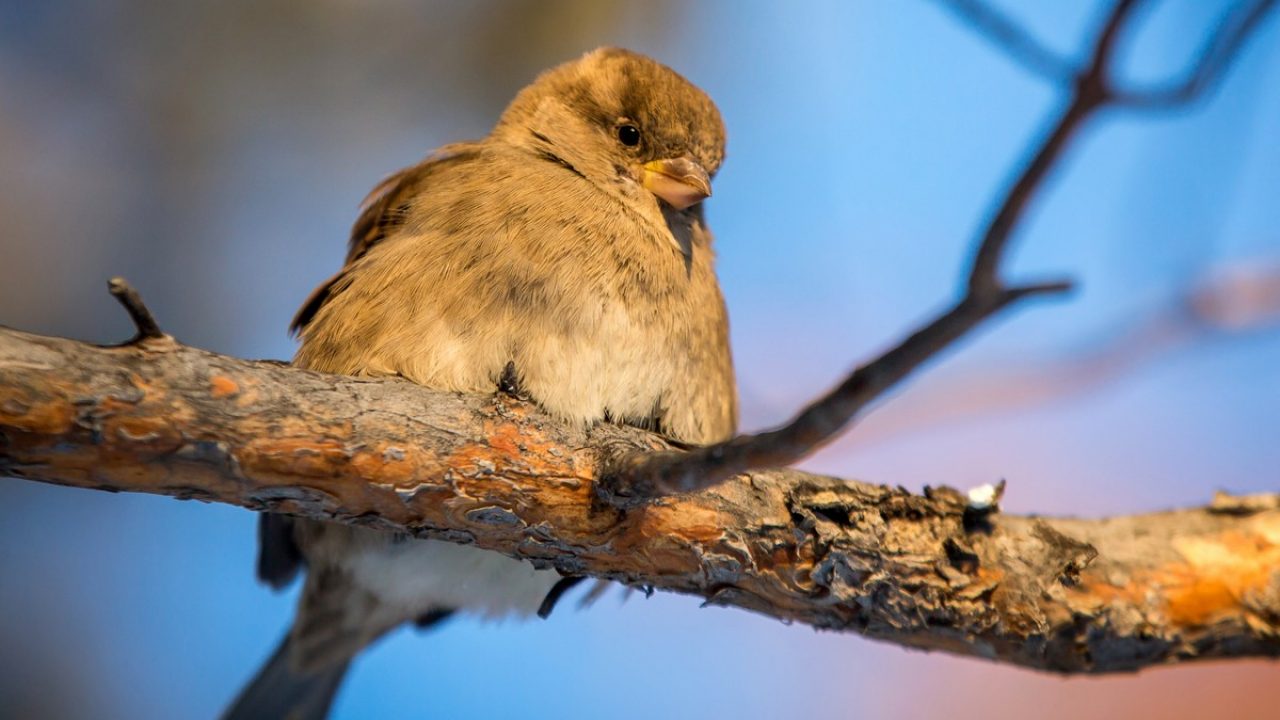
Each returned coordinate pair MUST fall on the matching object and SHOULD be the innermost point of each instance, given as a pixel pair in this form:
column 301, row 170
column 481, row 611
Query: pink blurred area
column 214, row 153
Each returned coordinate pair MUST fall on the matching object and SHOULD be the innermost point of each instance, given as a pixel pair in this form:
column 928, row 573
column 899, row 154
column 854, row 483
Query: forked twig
column 1216, row 55
column 1010, row 37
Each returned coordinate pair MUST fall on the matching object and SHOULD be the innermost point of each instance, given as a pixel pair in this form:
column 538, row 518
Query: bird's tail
column 279, row 691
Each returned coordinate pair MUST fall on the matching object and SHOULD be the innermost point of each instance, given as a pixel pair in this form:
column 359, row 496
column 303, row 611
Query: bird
column 565, row 256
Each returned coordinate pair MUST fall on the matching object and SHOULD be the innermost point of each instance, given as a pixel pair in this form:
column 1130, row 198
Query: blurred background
column 213, row 152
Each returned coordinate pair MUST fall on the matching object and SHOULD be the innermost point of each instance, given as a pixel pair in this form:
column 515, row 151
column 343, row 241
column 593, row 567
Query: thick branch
column 925, row 571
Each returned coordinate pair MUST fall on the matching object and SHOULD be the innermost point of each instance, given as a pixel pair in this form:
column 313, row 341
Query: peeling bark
column 927, row 571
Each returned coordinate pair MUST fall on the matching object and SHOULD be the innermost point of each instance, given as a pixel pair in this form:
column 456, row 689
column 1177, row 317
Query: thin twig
column 1228, row 304
column 1217, row 53
column 142, row 318
column 1010, row 37
column 632, row 479
column 1090, row 91
column 640, row 476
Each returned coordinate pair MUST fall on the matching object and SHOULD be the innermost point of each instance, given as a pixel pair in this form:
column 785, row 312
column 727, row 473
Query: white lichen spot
column 984, row 496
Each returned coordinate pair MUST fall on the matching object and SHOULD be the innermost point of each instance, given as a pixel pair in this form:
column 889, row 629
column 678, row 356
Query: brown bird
column 564, row 254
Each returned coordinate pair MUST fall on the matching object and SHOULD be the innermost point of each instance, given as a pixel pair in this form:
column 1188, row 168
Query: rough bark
column 929, row 571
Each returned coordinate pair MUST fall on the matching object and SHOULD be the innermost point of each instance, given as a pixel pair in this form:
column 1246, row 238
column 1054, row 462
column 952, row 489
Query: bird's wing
column 386, row 208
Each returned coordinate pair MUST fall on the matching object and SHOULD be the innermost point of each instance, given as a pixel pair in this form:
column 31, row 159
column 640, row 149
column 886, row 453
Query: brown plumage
column 567, row 245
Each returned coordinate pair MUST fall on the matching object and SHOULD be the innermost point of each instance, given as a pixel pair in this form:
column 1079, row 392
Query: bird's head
column 627, row 123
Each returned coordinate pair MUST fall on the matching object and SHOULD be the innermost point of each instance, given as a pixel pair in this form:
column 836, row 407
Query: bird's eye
column 629, row 135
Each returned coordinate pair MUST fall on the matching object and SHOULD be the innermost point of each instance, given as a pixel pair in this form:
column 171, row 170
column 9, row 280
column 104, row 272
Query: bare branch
column 636, row 478
column 1014, row 40
column 633, row 479
column 143, row 320
column 930, row 571
column 1214, row 59
column 1089, row 93
column 1224, row 305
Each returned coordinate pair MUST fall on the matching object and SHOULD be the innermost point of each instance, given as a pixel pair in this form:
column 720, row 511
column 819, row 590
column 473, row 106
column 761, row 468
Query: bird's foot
column 509, row 382
column 553, row 595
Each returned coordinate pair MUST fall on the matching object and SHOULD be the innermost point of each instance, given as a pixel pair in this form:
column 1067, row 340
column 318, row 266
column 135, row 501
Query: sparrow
column 564, row 255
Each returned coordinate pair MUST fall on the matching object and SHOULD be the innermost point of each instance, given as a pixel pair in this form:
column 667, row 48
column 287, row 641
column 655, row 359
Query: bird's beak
column 681, row 181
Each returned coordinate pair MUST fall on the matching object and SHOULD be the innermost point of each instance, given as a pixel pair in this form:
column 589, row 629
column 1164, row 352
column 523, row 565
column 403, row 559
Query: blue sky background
column 214, row 154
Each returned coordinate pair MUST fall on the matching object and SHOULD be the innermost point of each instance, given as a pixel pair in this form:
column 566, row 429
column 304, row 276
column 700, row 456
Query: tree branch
column 1227, row 304
column 927, row 571
column 1013, row 39
column 633, row 479
column 1090, row 92
column 139, row 313
column 935, row 571
column 637, row 477
column 1214, row 59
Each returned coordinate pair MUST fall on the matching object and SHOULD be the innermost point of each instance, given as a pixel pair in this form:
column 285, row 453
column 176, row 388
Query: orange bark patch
column 134, row 433
column 471, row 459
column 537, row 454
column 1195, row 601
column 20, row 410
column 393, row 464
column 295, row 458
column 1216, row 572
column 505, row 438
column 686, row 523
column 221, row 386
